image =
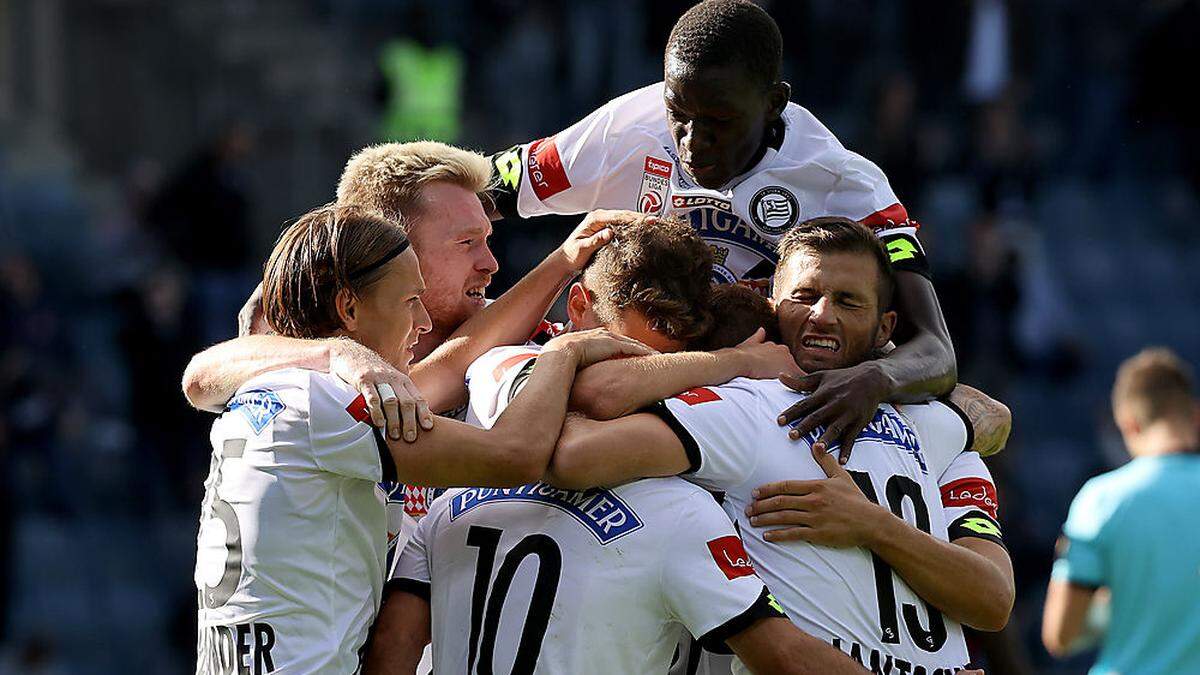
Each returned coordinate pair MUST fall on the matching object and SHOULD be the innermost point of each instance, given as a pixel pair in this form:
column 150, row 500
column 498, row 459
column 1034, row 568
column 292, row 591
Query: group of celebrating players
column 747, row 439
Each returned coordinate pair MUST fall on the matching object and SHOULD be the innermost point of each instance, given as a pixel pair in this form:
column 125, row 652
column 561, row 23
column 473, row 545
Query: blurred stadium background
column 150, row 152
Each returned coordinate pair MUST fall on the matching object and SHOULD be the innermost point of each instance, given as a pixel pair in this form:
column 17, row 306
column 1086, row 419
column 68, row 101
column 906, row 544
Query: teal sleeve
column 1083, row 562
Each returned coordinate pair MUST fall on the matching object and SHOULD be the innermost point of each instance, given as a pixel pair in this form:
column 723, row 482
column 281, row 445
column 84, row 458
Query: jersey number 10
column 897, row 490
column 486, row 605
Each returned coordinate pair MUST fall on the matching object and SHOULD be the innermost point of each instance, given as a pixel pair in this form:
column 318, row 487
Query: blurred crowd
column 1045, row 146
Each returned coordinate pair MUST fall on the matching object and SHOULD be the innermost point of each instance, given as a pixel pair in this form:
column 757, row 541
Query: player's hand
column 843, row 401
column 251, row 320
column 392, row 399
column 761, row 359
column 591, row 234
column 829, row 512
column 593, row 346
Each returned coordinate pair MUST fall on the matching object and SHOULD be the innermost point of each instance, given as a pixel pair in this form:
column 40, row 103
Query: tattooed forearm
column 990, row 419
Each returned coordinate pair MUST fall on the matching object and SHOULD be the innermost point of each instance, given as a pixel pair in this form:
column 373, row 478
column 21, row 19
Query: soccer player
column 1130, row 553
column 293, row 525
column 719, row 143
column 888, row 591
column 538, row 579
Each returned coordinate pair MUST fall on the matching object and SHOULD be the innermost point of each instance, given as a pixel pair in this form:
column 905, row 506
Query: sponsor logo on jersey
column 358, row 409
column 972, row 492
column 545, row 169
column 258, row 406
column 656, row 181
column 731, row 557
column 887, row 428
column 698, row 201
column 508, row 168
column 892, row 217
column 774, row 210
column 698, row 395
column 600, row 511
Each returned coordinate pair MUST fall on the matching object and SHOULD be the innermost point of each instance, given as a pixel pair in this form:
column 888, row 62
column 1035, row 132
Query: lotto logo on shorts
column 975, row 492
column 698, row 395
column 731, row 557
column 545, row 170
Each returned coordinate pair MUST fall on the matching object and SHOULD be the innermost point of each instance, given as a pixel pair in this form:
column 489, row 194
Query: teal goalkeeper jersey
column 1134, row 530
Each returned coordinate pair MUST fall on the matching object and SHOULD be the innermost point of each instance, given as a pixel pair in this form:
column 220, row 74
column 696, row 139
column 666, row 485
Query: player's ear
column 887, row 324
column 347, row 309
column 778, row 96
column 578, row 304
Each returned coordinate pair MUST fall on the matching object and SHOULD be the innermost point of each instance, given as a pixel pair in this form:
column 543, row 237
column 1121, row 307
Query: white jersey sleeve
column 337, row 437
column 412, row 564
column 718, row 427
column 579, row 168
column 970, row 500
column 944, row 430
column 494, row 379
column 709, row 583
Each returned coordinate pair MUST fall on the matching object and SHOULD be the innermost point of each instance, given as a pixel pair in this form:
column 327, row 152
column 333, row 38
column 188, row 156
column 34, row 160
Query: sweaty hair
column 715, row 32
column 389, row 177
column 660, row 268
column 1154, row 385
column 738, row 312
column 834, row 234
column 329, row 249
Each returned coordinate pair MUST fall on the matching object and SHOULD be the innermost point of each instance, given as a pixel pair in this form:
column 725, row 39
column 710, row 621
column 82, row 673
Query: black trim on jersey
column 714, row 640
column 965, row 420
column 520, row 378
column 405, row 585
column 386, row 463
column 959, row 528
column 662, row 412
column 504, row 195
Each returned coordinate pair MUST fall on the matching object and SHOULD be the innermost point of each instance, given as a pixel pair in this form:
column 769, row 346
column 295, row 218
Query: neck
column 1165, row 438
column 429, row 342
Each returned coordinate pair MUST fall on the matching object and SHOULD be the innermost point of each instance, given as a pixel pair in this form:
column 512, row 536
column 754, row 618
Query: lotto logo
column 731, row 557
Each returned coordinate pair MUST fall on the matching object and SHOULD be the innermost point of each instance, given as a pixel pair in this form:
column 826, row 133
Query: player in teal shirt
column 1131, row 540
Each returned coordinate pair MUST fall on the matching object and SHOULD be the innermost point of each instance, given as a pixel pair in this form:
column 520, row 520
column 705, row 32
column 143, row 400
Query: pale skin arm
column 990, row 419
column 592, row 453
column 620, row 387
column 517, row 449
column 1064, row 619
column 776, row 646
column 401, row 631
column 834, row 512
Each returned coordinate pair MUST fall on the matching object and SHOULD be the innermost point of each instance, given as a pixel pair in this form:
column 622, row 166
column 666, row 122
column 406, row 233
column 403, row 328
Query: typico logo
column 546, row 172
column 731, row 557
column 975, row 492
column 698, row 395
column 658, row 167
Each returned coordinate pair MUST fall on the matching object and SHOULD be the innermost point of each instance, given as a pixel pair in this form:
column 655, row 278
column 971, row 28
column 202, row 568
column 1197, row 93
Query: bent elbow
column 994, row 616
column 595, row 399
column 1055, row 643
column 565, row 470
column 194, row 390
column 520, row 464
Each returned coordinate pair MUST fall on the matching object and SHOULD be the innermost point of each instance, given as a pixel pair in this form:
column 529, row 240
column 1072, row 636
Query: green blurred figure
column 424, row 91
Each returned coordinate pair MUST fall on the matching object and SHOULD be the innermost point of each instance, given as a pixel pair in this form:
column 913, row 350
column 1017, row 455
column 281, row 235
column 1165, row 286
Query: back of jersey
column 846, row 596
column 541, row 580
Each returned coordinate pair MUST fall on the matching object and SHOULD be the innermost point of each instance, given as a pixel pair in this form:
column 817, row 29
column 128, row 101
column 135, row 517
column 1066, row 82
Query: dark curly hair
column 738, row 312
column 716, row 32
column 658, row 267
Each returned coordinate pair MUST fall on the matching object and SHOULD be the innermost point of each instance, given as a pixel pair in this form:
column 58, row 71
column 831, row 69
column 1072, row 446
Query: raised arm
column 620, row 387
column 517, row 449
column 990, row 420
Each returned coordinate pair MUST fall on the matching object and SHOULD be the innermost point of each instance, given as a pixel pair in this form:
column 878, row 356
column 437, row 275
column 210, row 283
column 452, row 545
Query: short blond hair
column 389, row 177
column 1153, row 385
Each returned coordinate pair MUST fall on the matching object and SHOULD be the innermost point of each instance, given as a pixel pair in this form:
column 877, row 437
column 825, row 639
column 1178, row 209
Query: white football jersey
column 622, row 156
column 293, row 529
column 846, row 596
column 539, row 579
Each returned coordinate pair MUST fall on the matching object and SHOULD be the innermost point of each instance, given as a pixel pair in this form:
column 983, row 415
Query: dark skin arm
column 921, row 367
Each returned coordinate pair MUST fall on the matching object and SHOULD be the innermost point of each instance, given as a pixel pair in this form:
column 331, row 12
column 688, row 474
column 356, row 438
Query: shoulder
column 291, row 388
column 496, row 361
column 635, row 117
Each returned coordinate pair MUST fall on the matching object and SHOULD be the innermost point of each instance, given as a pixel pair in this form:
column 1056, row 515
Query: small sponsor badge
column 698, row 395
column 972, row 492
column 258, row 406
column 731, row 557
column 545, row 169
column 656, row 180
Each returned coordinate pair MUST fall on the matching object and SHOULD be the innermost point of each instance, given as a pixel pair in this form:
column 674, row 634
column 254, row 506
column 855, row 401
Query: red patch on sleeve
column 731, row 557
column 498, row 371
column 658, row 167
column 358, row 409
column 698, row 395
column 893, row 216
column 545, row 169
column 975, row 492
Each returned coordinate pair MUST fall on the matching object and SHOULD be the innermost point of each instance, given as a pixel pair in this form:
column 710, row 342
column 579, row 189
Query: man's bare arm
column 991, row 420
column 592, row 453
column 1065, row 627
column 776, row 646
column 620, row 387
column 401, row 631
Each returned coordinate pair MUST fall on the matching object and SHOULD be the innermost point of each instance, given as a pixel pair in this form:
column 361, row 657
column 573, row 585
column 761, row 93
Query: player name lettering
column 239, row 649
column 599, row 510
column 885, row 664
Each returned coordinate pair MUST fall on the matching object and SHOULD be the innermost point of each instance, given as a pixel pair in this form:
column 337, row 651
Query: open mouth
column 824, row 342
column 476, row 293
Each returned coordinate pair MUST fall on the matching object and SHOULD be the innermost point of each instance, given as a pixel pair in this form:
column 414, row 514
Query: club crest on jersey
column 258, row 406
column 730, row 555
column 774, row 210
column 656, row 181
column 599, row 510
